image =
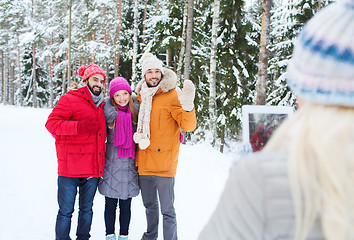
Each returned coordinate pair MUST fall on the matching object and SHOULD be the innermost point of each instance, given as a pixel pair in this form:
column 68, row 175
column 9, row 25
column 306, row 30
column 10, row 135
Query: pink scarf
column 123, row 134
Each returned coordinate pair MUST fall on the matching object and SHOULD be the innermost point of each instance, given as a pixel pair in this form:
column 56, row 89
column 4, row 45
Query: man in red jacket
column 78, row 124
column 258, row 139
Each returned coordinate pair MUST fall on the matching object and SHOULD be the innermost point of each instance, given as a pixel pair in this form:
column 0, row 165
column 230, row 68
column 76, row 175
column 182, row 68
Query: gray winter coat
column 256, row 203
column 120, row 177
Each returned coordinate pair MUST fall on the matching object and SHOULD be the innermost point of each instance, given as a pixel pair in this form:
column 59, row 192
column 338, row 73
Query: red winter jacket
column 257, row 142
column 79, row 155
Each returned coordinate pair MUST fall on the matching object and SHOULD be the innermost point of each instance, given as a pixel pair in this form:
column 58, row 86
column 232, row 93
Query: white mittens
column 186, row 96
column 141, row 139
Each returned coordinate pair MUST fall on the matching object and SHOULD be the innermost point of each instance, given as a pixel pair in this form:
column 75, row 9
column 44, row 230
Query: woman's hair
column 132, row 110
column 319, row 142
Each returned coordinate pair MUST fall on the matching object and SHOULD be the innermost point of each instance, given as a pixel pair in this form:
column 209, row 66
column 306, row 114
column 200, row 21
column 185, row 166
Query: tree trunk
column 263, row 54
column 157, row 6
column 51, row 85
column 69, row 46
column 144, row 27
column 212, row 76
column 2, row 78
column 94, row 39
column 189, row 32
column 6, row 76
column 12, row 84
column 105, row 40
column 19, row 70
column 135, row 42
column 117, row 54
column 222, row 140
column 57, row 76
column 64, row 85
column 183, row 41
column 34, row 82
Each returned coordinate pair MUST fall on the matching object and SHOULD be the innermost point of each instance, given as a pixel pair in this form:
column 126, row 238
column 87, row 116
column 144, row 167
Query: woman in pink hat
column 119, row 182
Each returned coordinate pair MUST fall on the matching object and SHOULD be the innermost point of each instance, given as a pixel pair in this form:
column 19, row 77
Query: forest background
column 234, row 51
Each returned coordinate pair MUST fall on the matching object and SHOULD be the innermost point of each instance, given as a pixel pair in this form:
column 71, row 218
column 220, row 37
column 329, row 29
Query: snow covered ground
column 28, row 204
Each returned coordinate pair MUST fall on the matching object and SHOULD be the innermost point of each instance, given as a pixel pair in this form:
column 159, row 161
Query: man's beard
column 96, row 93
column 149, row 85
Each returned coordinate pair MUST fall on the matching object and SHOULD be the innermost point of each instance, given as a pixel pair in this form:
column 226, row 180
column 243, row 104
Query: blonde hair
column 132, row 110
column 321, row 168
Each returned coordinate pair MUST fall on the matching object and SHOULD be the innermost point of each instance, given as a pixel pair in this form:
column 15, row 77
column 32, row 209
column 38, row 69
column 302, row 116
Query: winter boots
column 111, row 237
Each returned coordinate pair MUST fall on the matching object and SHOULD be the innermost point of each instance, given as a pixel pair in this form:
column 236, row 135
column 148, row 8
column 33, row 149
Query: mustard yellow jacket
column 166, row 120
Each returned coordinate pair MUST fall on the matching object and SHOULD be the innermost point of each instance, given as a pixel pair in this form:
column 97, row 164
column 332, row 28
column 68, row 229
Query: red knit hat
column 90, row 70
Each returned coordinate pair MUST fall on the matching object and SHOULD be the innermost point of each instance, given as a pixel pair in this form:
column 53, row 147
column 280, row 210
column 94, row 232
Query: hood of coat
column 168, row 81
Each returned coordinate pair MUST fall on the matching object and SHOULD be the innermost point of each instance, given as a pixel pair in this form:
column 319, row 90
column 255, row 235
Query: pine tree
column 27, row 76
column 237, row 72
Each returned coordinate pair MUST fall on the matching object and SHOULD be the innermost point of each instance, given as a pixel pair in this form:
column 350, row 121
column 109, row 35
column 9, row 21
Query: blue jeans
column 67, row 190
column 124, row 215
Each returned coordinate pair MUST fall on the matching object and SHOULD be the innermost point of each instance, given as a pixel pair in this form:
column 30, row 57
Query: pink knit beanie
column 117, row 84
column 90, row 70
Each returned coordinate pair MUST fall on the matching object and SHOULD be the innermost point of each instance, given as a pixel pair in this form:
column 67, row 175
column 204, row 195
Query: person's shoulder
column 263, row 164
column 108, row 104
column 68, row 96
column 75, row 93
column 107, row 99
column 265, row 158
column 134, row 97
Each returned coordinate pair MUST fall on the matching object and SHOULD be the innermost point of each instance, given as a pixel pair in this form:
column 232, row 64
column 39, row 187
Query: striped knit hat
column 321, row 69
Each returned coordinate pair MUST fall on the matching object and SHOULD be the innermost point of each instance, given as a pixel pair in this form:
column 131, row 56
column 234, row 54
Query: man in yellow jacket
column 164, row 111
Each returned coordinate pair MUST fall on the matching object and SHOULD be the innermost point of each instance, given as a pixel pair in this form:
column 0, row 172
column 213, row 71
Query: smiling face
column 95, row 83
column 121, row 98
column 153, row 77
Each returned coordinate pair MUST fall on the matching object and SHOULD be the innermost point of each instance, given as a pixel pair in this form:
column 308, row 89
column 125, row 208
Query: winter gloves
column 186, row 96
column 88, row 127
column 142, row 139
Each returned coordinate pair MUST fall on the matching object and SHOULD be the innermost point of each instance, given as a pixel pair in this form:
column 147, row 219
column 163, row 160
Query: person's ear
column 300, row 101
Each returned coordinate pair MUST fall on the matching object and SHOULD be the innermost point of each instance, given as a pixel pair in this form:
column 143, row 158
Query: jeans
column 153, row 189
column 67, row 190
column 124, row 215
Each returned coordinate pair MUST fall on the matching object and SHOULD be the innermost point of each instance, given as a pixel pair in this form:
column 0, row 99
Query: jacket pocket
column 165, row 119
column 158, row 160
column 80, row 160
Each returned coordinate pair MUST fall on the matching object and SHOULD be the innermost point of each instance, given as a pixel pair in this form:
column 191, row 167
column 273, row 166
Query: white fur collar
column 168, row 81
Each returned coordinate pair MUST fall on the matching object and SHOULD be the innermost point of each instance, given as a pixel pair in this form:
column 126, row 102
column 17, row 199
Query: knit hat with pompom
column 150, row 61
column 321, row 69
column 88, row 71
column 117, row 84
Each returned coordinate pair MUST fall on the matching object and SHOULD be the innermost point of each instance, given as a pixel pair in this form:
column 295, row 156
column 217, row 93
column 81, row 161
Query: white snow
column 28, row 204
